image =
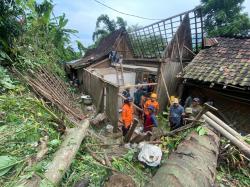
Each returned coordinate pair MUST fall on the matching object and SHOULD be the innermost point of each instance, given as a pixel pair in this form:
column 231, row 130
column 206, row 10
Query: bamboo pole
column 225, row 126
column 136, row 107
column 244, row 148
column 165, row 85
column 138, row 85
column 179, row 51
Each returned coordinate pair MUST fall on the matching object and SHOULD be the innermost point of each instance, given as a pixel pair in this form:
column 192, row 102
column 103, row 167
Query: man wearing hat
column 196, row 107
column 188, row 116
column 127, row 115
column 176, row 114
column 151, row 102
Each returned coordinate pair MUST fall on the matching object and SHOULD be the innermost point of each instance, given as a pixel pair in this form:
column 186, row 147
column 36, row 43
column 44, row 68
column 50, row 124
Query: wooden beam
column 139, row 85
column 136, row 107
column 165, row 85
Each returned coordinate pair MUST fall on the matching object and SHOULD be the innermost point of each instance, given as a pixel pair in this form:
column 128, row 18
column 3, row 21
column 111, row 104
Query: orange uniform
column 127, row 115
column 148, row 103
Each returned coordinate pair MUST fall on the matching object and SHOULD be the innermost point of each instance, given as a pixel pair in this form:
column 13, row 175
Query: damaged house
column 221, row 74
column 165, row 52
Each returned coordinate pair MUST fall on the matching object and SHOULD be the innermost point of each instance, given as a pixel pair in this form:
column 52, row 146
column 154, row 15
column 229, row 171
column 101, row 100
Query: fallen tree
column 192, row 164
column 64, row 156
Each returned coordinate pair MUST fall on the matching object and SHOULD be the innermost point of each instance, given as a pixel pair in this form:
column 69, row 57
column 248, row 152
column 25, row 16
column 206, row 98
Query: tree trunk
column 64, row 156
column 192, row 164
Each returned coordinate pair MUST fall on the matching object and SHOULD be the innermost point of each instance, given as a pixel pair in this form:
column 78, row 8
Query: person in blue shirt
column 175, row 115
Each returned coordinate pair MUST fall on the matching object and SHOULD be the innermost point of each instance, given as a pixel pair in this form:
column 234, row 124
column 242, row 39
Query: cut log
column 192, row 164
column 64, row 156
column 98, row 119
column 131, row 131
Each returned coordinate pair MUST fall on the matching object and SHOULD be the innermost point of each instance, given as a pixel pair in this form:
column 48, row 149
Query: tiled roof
column 228, row 62
column 104, row 47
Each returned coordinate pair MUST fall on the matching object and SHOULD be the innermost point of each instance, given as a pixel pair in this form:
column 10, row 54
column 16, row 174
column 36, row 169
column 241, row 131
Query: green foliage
column 148, row 46
column 6, row 163
column 109, row 26
column 201, row 131
column 5, row 82
column 233, row 167
column 22, row 123
column 84, row 166
column 225, row 18
column 35, row 37
column 11, row 22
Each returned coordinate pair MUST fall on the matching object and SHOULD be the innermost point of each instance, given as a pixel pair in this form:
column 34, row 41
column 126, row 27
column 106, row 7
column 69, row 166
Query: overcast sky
column 82, row 14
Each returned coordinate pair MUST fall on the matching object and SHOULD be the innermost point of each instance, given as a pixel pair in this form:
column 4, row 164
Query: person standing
column 152, row 102
column 150, row 120
column 127, row 115
column 126, row 93
column 137, row 96
column 196, row 107
column 176, row 114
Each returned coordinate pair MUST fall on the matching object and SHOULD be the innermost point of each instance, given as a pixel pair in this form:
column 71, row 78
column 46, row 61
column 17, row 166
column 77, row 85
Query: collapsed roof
column 104, row 47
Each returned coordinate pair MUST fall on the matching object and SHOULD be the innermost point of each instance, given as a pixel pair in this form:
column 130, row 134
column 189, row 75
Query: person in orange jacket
column 127, row 115
column 151, row 102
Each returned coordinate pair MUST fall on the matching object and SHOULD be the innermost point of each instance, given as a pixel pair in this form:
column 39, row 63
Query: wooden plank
column 136, row 107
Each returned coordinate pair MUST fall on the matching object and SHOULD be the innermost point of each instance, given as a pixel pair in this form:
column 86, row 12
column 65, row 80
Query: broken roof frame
column 150, row 41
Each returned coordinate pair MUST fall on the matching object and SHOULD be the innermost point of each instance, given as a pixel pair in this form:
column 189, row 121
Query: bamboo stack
column 53, row 89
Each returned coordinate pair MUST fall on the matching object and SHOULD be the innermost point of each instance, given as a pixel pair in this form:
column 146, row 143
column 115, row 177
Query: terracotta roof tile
column 228, row 62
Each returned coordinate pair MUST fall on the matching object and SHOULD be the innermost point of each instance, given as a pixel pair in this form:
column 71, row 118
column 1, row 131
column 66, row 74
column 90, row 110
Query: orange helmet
column 154, row 95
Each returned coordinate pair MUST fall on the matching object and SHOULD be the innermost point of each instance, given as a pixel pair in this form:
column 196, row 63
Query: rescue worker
column 176, row 114
column 188, row 116
column 150, row 120
column 151, row 102
column 196, row 107
column 127, row 115
column 126, row 93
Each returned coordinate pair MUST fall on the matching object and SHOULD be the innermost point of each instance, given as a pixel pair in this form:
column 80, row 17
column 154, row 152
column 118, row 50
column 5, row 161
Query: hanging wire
column 132, row 15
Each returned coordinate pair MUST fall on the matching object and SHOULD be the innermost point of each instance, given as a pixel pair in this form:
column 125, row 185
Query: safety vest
column 127, row 114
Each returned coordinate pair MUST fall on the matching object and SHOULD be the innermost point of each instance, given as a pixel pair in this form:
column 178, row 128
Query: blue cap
column 151, row 108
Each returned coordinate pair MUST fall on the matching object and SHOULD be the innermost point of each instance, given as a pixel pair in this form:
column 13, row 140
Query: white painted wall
column 129, row 78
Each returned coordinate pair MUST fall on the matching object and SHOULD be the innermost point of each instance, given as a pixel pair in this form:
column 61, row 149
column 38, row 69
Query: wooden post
column 117, row 75
column 98, row 107
column 165, row 85
column 131, row 130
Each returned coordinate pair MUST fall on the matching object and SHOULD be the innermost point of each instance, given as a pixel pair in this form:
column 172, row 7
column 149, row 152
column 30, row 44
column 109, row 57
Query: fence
column 150, row 41
column 103, row 93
